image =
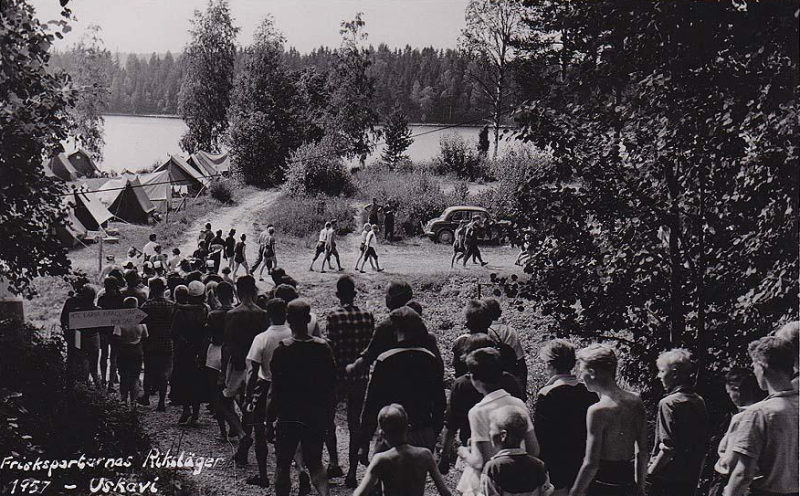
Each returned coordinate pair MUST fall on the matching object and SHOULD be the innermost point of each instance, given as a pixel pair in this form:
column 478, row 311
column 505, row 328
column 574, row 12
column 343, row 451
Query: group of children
column 326, row 244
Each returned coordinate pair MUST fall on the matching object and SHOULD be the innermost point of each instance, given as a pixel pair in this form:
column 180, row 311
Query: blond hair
column 599, row 357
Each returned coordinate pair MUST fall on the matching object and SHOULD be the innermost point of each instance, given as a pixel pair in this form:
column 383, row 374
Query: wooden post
column 100, row 258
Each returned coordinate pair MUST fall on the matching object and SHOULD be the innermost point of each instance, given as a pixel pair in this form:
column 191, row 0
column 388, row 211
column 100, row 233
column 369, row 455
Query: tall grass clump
column 303, row 216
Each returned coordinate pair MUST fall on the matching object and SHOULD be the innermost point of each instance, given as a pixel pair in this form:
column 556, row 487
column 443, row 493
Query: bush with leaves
column 397, row 136
column 458, row 157
column 33, row 122
column 317, row 168
column 222, row 191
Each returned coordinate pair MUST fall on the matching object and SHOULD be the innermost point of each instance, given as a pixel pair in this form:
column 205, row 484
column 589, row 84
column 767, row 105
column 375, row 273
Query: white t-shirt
column 149, row 249
column 264, row 345
column 175, row 262
column 323, row 235
column 132, row 334
column 370, row 239
column 479, row 414
column 364, row 236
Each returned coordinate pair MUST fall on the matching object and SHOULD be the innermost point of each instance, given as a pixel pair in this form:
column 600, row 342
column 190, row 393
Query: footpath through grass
column 45, row 308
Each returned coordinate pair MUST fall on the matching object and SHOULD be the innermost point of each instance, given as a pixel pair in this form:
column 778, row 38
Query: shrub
column 458, row 157
column 221, row 191
column 417, row 194
column 303, row 216
column 316, row 168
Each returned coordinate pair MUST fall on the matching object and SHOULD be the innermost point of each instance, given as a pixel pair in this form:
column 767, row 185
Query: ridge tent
column 183, row 174
column 127, row 200
column 61, row 167
column 71, row 231
column 83, row 163
column 89, row 210
column 158, row 188
column 209, row 164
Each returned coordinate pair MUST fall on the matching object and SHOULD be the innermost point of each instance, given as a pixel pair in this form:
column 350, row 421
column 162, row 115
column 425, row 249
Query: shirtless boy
column 403, row 469
column 616, row 430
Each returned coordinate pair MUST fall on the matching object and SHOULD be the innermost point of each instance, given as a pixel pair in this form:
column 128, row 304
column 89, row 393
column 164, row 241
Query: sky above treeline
column 146, row 26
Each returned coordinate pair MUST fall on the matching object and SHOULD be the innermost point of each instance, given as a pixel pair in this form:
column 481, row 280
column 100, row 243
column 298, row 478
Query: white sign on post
column 86, row 319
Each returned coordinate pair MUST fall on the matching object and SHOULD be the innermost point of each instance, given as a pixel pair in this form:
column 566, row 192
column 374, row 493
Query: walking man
column 330, row 248
column 616, row 430
column 369, row 249
column 158, row 349
column 681, row 439
column 320, row 249
column 300, row 399
column 349, row 331
column 766, row 441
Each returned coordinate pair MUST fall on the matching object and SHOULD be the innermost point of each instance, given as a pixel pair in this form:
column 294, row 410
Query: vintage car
column 442, row 229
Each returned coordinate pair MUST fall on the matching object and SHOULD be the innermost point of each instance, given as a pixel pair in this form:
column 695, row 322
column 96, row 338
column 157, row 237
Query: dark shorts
column 320, row 248
column 259, row 401
column 371, row 252
column 614, row 478
column 332, row 251
column 289, row 434
column 458, row 248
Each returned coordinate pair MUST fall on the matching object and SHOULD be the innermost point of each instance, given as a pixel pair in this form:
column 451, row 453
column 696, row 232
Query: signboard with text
column 86, row 319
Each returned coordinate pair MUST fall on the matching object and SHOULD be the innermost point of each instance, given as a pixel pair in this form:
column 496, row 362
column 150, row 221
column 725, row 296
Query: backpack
column 508, row 357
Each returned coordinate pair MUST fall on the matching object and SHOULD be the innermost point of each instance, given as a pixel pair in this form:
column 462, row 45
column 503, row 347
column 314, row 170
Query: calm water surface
column 134, row 143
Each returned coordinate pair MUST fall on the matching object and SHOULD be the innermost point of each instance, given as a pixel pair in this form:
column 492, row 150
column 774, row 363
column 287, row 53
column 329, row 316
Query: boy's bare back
column 622, row 418
column 403, row 470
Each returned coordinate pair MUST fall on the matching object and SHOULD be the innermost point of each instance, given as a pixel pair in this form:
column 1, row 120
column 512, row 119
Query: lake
column 135, row 142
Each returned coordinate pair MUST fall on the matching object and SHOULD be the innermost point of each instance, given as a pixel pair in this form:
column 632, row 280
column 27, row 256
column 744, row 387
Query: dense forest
column 429, row 85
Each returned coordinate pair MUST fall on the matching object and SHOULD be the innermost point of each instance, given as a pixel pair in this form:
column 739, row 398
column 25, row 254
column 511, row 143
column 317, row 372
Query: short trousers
column 458, row 248
column 259, row 401
column 614, row 478
column 371, row 252
column 320, row 248
column 289, row 434
column 238, row 259
column 235, row 381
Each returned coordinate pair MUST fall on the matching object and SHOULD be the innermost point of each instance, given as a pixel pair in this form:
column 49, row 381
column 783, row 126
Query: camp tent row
column 126, row 199
column 85, row 213
column 210, row 165
column 72, row 167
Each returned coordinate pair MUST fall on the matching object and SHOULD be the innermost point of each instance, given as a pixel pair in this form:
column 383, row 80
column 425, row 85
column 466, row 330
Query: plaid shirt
column 349, row 332
column 159, row 321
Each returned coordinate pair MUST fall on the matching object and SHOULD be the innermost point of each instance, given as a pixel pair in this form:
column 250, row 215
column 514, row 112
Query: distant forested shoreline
column 431, row 86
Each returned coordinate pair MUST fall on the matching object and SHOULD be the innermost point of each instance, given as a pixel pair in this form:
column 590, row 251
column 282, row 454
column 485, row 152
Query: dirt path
column 418, row 260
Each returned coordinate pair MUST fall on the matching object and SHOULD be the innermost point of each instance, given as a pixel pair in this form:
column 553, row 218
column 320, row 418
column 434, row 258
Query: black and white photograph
column 399, row 247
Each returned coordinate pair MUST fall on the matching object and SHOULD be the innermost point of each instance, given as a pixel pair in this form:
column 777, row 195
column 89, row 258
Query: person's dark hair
column 276, row 310
column 246, row 285
column 747, row 383
column 118, row 275
column 130, row 302
column 559, row 354
column 277, row 274
column 176, row 251
column 476, row 316
column 346, row 287
column 132, row 278
column 111, row 284
column 153, row 237
column 225, row 291
column 86, row 293
column 156, row 285
column 398, row 293
column 219, row 233
column 286, row 293
column 416, row 306
column 493, row 308
column 475, row 342
column 261, row 301
column 208, row 226
column 288, row 280
column 231, row 232
column 484, row 365
column 773, row 353
column 212, row 278
column 194, row 275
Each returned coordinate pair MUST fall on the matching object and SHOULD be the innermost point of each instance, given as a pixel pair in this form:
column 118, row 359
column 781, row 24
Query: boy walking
column 681, row 429
column 320, row 249
column 300, row 399
column 616, row 430
column 403, row 469
column 512, row 470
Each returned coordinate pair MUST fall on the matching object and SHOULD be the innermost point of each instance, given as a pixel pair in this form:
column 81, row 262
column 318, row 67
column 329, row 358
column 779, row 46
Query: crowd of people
column 272, row 373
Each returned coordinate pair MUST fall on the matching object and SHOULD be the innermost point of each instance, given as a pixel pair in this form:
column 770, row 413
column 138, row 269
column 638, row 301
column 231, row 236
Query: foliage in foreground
column 659, row 226
column 33, row 121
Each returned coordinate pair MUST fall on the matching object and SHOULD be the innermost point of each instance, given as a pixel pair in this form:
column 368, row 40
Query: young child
column 403, row 469
column 512, row 470
column 129, row 356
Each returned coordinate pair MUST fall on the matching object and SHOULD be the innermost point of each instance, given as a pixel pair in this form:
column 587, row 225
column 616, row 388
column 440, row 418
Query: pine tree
column 398, row 138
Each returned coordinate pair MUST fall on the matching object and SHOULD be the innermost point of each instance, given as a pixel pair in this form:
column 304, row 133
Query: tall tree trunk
column 677, row 318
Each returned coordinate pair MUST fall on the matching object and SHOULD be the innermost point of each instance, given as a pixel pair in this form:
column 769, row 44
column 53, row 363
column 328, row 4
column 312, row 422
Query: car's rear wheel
column 445, row 236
